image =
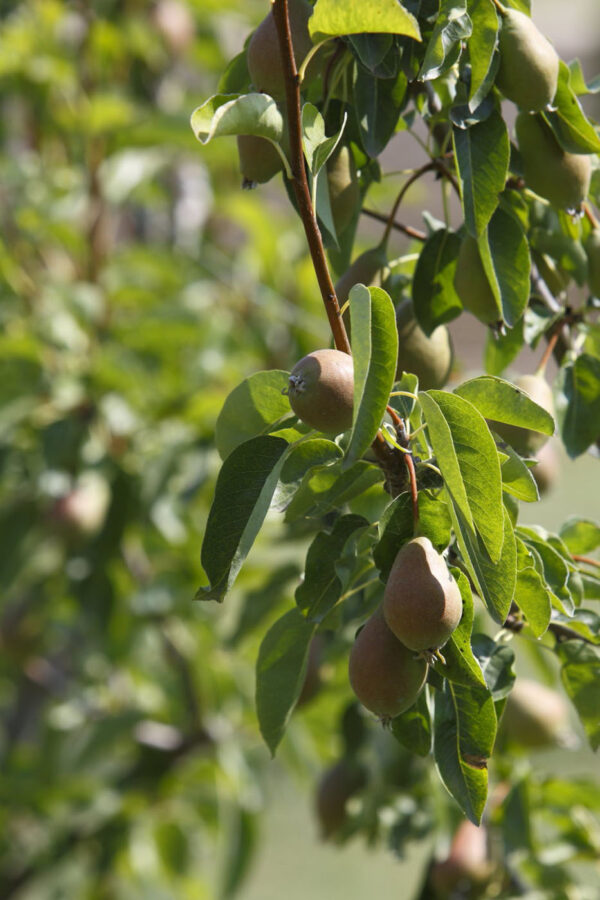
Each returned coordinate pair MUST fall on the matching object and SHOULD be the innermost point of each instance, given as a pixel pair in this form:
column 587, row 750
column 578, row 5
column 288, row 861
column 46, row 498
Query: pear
column 472, row 285
column 366, row 269
column 338, row 783
column 524, row 440
column 321, row 390
column 535, row 715
column 344, row 190
column 467, row 867
column 592, row 249
column 385, row 676
column 422, row 604
column 429, row 358
column 259, row 160
column 528, row 71
column 312, row 679
column 263, row 56
column 562, row 178
column 547, row 470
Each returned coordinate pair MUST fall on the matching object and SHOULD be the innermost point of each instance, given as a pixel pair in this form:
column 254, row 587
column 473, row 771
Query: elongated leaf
column 504, row 402
column 378, row 102
column 468, row 459
column 482, row 42
column 412, row 728
column 317, row 147
column 569, row 123
column 517, row 479
column 482, row 156
column 580, row 535
column 252, row 408
column 332, row 18
column 581, row 386
column 501, row 350
column 321, row 588
column 497, row 664
column 465, row 729
column 375, row 354
column 452, row 25
column 328, row 488
column 580, row 675
column 243, row 493
column 505, row 256
column 299, row 461
column 434, row 298
column 531, row 594
column 280, row 671
column 227, row 114
column 396, row 527
column 461, row 665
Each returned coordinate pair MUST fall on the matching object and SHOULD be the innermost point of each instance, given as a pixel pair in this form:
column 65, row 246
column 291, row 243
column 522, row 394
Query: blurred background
column 138, row 286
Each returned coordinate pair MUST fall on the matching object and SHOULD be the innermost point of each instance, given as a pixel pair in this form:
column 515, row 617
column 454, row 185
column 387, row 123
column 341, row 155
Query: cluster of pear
column 422, row 606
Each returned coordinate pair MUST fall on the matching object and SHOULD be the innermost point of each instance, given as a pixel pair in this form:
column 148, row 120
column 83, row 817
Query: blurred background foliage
column 136, row 291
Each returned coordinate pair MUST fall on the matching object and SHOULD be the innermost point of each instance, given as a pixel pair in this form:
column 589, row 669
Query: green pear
column 422, row 604
column 524, row 440
column 562, row 178
column 338, row 783
column 547, row 470
column 366, row 269
column 344, row 190
column 472, row 285
column 385, row 676
column 263, row 56
column 321, row 390
column 528, row 71
column 259, row 160
column 429, row 358
column 592, row 249
column 535, row 715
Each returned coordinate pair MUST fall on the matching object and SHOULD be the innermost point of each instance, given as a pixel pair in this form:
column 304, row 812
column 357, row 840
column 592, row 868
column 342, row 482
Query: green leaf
column 228, row 114
column 580, row 675
column 280, row 671
column 299, row 461
column 531, row 594
column 461, row 665
column 321, row 588
column 580, row 535
column 505, row 256
column 464, row 732
column 240, row 840
column 504, row 402
column 333, row 18
column 252, row 409
column 434, row 298
column 412, row 728
column 434, row 519
column 328, row 488
column 317, row 147
column 517, row 479
column 467, row 457
column 497, row 665
column 584, row 622
column 581, row 387
column 482, row 42
column 243, row 493
column 578, row 82
column 377, row 102
column 375, row 354
column 569, row 123
column 452, row 26
column 396, row 527
column 501, row 350
column 482, row 156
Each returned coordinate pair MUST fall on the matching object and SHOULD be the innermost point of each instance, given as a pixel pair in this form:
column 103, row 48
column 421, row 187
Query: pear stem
column 587, row 560
column 589, row 214
column 300, row 181
column 501, row 9
column 539, row 372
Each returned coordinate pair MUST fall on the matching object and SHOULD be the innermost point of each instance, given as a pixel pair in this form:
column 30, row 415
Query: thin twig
column 587, row 560
column 398, row 226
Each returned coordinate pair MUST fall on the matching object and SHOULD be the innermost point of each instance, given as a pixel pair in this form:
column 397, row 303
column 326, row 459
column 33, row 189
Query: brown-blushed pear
column 472, row 285
column 524, row 440
column 535, row 715
column 421, row 603
column 263, row 56
column 467, row 868
column 321, row 390
column 337, row 784
column 429, row 358
column 592, row 249
column 561, row 177
column 344, row 190
column 384, row 674
column 528, row 71
column 259, row 160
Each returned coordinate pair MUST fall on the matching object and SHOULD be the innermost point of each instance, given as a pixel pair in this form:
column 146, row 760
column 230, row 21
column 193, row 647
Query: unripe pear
column 472, row 285
column 263, row 56
column 535, row 715
column 528, row 71
column 547, row 470
column 366, row 269
column 385, row 676
column 592, row 249
column 321, row 390
column 467, row 866
column 429, row 358
column 344, row 190
column 337, row 785
column 421, row 603
column 524, row 440
column 259, row 159
column 562, row 178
